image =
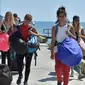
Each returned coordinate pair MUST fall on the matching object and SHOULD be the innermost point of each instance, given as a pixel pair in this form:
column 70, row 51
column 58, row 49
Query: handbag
column 4, row 46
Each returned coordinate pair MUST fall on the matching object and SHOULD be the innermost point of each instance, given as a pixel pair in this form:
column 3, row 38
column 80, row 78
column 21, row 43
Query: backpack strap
column 56, row 29
column 19, row 27
column 56, row 42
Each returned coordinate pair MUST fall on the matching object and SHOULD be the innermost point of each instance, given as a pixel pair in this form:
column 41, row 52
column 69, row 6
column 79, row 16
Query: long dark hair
column 61, row 10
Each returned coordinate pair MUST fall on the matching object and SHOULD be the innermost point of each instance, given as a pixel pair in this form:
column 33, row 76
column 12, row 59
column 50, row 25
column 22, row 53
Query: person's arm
column 30, row 32
column 33, row 31
column 0, row 24
column 82, row 34
column 13, row 31
column 53, row 40
column 1, row 28
column 71, row 32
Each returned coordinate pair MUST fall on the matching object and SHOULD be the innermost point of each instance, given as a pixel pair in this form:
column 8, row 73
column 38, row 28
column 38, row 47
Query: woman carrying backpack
column 26, row 31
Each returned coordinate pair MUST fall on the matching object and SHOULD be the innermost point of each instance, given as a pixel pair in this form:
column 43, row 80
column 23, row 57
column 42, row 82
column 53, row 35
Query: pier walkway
column 43, row 73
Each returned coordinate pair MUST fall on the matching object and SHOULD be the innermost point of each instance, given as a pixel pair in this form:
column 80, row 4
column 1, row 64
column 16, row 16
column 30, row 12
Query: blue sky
column 43, row 10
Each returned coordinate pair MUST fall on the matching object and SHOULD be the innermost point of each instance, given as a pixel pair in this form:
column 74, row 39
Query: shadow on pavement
column 48, row 79
column 75, row 79
column 52, row 74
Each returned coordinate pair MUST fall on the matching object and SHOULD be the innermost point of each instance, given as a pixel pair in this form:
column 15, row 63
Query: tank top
column 61, row 34
column 78, row 34
column 24, row 31
column 5, row 29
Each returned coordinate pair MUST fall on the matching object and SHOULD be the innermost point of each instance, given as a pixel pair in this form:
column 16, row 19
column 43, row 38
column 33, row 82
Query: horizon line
column 47, row 21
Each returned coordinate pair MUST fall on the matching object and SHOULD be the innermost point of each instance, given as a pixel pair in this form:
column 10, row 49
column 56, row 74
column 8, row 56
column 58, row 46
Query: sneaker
column 19, row 80
column 81, row 76
column 25, row 83
column 58, row 83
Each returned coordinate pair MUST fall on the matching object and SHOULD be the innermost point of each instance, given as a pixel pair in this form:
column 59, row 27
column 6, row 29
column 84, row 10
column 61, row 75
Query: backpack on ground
column 5, row 75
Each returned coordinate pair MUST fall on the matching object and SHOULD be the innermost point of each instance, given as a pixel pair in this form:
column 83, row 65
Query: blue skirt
column 69, row 52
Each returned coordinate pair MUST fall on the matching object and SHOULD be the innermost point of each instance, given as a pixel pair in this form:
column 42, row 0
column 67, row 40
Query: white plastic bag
column 55, row 49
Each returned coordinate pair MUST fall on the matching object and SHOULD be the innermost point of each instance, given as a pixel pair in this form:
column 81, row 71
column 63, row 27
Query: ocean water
column 41, row 25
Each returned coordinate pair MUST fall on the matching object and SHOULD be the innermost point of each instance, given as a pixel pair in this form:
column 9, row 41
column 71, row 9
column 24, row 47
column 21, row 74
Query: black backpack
column 5, row 75
column 17, row 43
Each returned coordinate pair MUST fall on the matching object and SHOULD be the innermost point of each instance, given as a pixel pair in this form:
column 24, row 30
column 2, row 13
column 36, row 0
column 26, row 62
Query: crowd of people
column 9, row 26
column 65, row 30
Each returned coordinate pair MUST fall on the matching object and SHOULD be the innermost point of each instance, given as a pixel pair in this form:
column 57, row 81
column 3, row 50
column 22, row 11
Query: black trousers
column 28, row 59
column 8, row 55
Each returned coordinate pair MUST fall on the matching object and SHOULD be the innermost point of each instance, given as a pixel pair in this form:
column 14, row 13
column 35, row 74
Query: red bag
column 4, row 42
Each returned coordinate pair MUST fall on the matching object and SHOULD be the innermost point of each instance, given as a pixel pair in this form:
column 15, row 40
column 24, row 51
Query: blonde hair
column 78, row 26
column 9, row 13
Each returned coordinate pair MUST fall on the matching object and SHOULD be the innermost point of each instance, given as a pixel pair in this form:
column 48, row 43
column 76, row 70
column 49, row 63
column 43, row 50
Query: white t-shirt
column 61, row 34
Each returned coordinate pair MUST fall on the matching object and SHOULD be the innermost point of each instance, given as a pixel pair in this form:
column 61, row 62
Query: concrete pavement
column 43, row 73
